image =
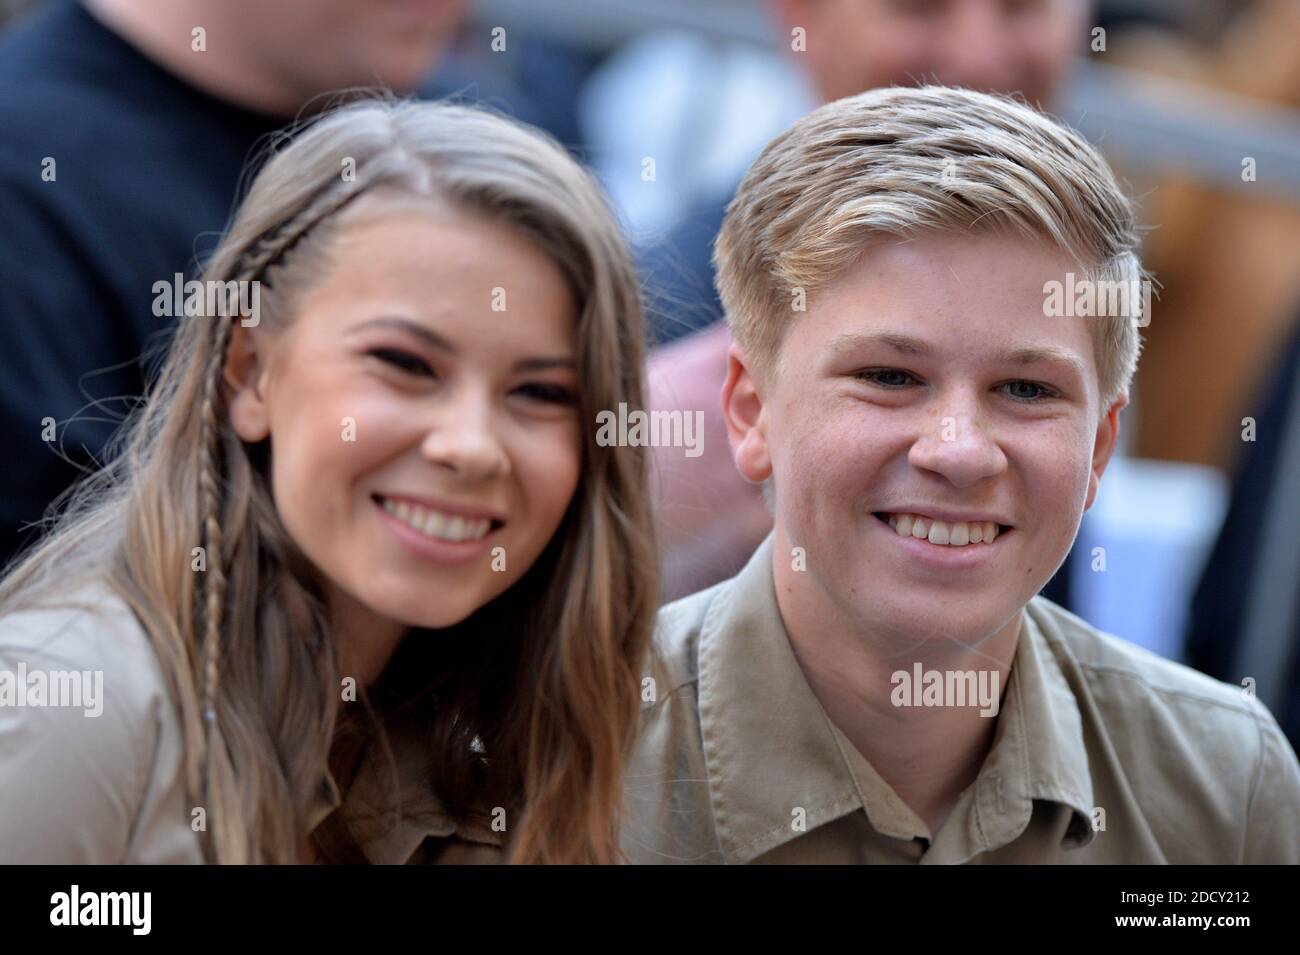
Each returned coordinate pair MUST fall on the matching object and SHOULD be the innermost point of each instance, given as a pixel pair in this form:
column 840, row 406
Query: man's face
column 928, row 383
column 325, row 45
column 998, row 46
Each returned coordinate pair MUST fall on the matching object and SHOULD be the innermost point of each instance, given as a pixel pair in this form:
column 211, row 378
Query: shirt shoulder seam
column 1165, row 689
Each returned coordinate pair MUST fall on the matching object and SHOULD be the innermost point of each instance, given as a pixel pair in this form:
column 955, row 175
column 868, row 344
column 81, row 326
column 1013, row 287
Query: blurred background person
column 1244, row 625
column 846, row 46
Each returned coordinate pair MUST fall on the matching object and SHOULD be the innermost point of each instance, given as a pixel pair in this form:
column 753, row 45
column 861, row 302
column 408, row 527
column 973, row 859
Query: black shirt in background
column 1220, row 609
column 146, row 171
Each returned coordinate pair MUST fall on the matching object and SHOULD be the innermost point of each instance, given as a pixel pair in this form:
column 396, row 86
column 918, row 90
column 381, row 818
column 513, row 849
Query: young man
column 709, row 521
column 935, row 300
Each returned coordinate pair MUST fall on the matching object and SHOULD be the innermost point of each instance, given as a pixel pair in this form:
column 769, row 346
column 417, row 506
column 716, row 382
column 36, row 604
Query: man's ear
column 745, row 414
column 243, row 383
column 1104, row 446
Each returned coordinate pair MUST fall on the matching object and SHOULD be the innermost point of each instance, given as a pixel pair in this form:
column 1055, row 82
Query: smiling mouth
column 943, row 533
column 438, row 525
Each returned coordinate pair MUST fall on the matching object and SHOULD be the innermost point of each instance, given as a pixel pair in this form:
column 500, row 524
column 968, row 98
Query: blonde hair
column 546, row 676
column 900, row 161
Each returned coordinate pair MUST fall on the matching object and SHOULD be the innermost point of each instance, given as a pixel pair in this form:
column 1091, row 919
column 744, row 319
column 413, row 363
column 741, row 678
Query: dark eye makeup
column 402, row 360
column 414, row 365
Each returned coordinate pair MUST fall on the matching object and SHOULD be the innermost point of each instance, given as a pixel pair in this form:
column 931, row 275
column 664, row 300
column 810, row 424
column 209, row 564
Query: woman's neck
column 364, row 640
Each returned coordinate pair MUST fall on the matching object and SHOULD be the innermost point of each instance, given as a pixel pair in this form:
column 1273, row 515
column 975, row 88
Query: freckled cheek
column 832, row 460
column 1057, row 484
column 793, row 432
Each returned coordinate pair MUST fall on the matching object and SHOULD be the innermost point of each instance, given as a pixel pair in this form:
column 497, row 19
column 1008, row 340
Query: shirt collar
column 1039, row 749
column 1038, row 754
column 777, row 766
column 773, row 764
column 391, row 807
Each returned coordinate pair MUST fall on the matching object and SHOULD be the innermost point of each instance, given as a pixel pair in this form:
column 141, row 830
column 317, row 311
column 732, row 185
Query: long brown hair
column 547, row 675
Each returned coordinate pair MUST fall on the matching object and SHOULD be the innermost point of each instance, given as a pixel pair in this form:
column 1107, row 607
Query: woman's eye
column 403, row 360
column 1028, row 391
column 551, row 394
column 886, row 377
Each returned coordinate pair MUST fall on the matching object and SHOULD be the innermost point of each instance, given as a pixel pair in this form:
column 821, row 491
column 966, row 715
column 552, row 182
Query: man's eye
column 551, row 394
column 403, row 360
column 886, row 377
column 1028, row 391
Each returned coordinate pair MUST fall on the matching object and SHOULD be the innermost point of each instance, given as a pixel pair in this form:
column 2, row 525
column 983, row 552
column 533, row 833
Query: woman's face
column 421, row 405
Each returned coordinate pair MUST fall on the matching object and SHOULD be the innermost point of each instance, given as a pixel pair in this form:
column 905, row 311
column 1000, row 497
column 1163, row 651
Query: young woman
column 361, row 584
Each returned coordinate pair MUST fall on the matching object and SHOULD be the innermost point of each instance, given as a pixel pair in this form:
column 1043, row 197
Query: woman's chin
column 445, row 613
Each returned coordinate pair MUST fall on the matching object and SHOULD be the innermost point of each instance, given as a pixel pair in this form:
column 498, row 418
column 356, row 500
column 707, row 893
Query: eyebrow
column 908, row 345
column 905, row 344
column 439, row 343
column 1044, row 355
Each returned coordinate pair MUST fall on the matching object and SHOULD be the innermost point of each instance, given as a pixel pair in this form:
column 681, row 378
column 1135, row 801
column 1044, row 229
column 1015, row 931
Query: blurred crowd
column 151, row 113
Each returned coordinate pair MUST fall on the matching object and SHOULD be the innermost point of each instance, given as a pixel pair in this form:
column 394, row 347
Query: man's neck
column 927, row 754
column 225, row 69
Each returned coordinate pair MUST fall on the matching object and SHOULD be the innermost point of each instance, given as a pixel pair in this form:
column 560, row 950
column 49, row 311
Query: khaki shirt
column 737, row 761
column 110, row 788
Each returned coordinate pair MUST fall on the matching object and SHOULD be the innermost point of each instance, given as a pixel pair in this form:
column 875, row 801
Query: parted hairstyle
column 901, row 161
column 546, row 676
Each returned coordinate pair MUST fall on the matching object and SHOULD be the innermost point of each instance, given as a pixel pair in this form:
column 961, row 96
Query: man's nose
column 465, row 438
column 957, row 446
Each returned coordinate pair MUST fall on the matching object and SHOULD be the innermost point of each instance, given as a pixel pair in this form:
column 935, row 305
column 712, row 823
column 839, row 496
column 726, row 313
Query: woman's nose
column 465, row 438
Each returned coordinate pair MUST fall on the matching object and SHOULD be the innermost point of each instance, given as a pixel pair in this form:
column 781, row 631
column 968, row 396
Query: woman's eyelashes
column 402, row 360
column 1022, row 390
column 413, row 365
column 548, row 393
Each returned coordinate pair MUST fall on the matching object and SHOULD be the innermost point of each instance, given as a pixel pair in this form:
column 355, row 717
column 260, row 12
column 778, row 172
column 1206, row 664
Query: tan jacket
column 78, row 786
column 737, row 761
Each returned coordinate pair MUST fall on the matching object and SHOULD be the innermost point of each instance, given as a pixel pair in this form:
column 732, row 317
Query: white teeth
column 943, row 533
column 437, row 524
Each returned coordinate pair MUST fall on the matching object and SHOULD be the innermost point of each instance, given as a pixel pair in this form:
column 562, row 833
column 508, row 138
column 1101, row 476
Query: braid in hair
column 257, row 259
